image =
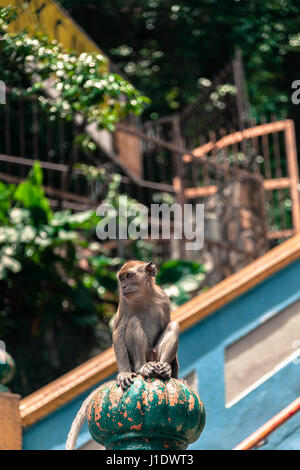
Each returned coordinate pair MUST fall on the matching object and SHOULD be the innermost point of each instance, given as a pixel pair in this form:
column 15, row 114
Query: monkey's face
column 135, row 278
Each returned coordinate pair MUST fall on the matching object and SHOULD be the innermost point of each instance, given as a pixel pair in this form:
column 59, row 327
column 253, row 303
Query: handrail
column 239, row 136
column 270, row 426
column 205, row 191
column 287, row 126
column 239, row 172
column 57, row 393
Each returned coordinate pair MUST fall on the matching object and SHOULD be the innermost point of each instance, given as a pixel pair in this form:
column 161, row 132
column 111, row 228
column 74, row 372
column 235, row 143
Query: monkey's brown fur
column 144, row 338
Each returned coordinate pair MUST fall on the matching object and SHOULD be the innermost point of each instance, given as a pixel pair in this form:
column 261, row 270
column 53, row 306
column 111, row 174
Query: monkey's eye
column 129, row 275
column 121, row 277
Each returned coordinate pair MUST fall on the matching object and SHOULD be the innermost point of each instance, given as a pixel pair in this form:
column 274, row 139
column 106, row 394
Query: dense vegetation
column 167, row 47
column 58, row 286
column 80, row 83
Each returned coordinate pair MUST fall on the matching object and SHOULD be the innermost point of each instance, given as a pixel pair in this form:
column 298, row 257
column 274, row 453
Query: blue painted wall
column 202, row 348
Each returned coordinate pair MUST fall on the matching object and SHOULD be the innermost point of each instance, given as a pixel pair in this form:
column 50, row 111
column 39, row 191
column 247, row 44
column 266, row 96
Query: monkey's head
column 135, row 279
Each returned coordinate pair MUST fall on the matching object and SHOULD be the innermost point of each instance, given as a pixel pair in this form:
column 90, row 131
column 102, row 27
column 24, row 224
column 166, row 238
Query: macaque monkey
column 145, row 340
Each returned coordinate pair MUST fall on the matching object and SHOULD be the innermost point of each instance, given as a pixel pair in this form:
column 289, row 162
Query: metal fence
column 247, row 179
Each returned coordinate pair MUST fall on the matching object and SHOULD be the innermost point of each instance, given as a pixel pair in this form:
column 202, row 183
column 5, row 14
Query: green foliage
column 112, row 197
column 58, row 287
column 30, row 193
column 168, row 47
column 82, row 82
column 37, row 244
column 180, row 279
column 6, row 197
column 48, row 285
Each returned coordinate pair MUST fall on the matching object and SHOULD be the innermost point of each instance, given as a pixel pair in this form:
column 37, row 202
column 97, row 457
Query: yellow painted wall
column 52, row 19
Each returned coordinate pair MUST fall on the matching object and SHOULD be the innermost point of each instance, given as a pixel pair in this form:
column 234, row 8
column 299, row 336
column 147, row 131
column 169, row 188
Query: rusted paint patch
column 98, row 407
column 136, row 426
column 114, row 396
column 174, row 393
column 160, row 389
column 145, row 398
column 191, row 402
column 139, row 407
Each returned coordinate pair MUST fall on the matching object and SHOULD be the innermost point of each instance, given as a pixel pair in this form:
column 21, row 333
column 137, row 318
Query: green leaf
column 31, row 195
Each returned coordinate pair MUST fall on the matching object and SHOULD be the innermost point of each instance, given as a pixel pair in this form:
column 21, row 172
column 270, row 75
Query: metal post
column 291, row 153
column 243, row 106
column 178, row 175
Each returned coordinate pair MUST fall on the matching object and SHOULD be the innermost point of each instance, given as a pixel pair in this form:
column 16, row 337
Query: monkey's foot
column 162, row 370
column 148, row 369
column 125, row 379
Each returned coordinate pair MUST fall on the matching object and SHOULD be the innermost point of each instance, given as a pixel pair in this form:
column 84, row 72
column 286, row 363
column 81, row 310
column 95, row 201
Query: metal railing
column 258, row 438
column 225, row 172
column 268, row 150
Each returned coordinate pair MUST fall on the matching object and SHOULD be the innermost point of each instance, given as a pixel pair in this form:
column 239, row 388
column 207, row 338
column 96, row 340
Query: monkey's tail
column 78, row 422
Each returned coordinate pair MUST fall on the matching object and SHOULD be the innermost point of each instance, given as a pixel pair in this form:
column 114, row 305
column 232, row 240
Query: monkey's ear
column 151, row 269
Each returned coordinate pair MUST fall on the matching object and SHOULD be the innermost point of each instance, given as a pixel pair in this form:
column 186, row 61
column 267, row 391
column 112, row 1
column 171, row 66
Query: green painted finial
column 152, row 414
column 7, row 370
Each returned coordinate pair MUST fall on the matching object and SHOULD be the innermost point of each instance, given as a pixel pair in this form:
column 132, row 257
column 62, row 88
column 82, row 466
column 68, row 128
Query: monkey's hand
column 125, row 379
column 163, row 370
column 148, row 369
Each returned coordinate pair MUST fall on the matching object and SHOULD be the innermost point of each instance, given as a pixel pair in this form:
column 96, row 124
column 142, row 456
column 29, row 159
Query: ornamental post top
column 152, row 414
